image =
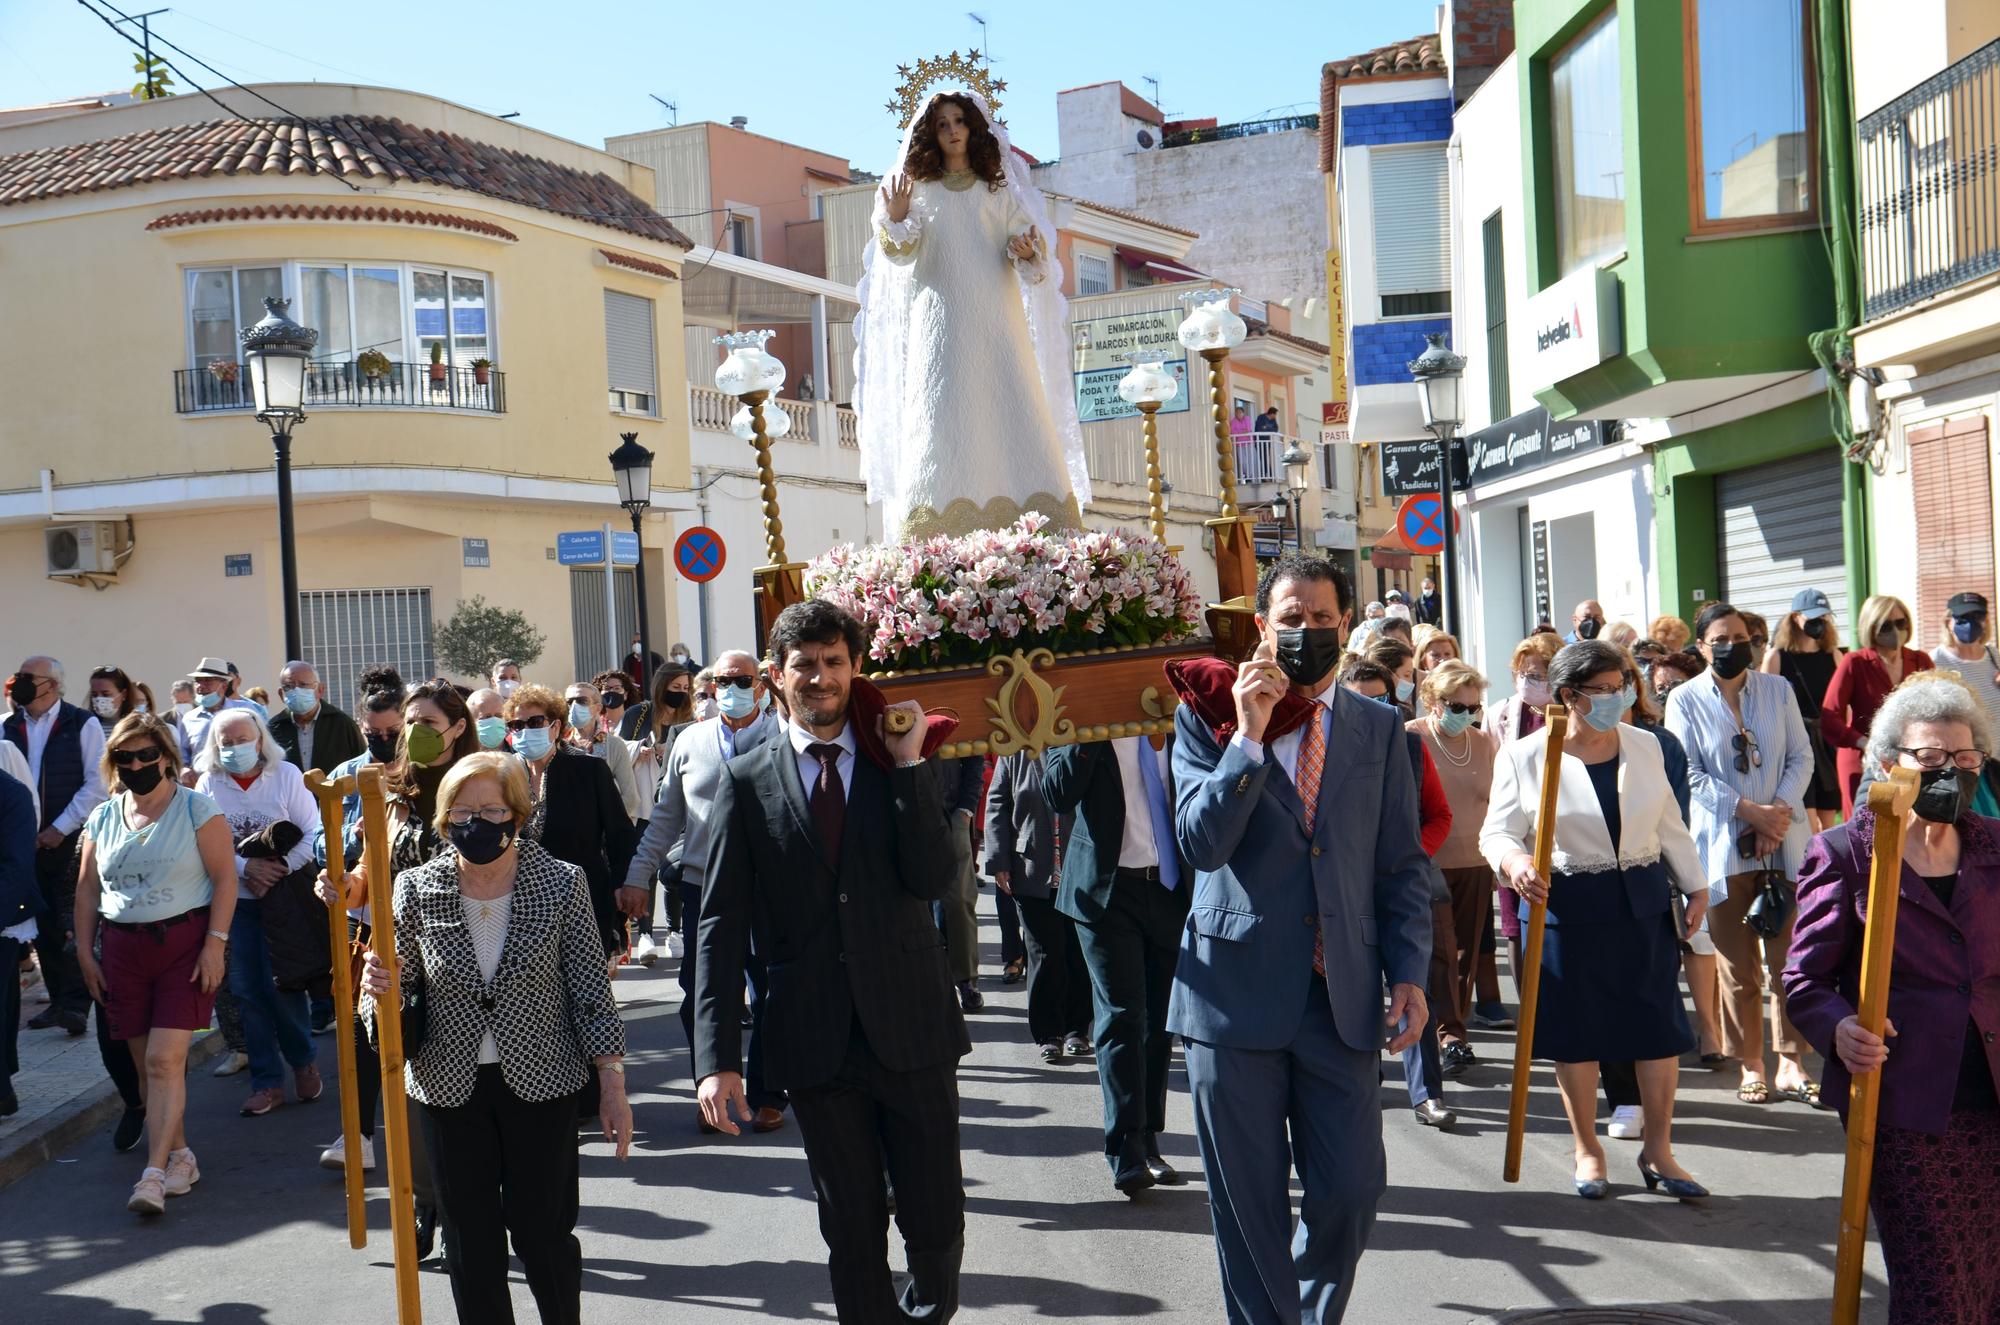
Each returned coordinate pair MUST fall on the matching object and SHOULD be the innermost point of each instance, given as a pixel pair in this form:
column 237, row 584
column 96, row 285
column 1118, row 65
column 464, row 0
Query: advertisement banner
column 1409, row 468
column 1527, row 442
column 1103, row 349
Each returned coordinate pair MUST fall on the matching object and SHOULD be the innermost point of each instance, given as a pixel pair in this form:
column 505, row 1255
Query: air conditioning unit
column 90, row 548
column 1145, row 139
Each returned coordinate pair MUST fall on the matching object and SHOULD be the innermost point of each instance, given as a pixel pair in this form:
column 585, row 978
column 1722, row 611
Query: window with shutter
column 1412, row 229
column 1952, row 482
column 1499, row 396
column 628, row 351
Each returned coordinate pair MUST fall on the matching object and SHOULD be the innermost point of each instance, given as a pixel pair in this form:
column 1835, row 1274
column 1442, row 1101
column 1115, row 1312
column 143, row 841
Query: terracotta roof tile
column 306, row 212
column 346, row 147
column 1418, row 55
column 660, row 269
column 1121, row 213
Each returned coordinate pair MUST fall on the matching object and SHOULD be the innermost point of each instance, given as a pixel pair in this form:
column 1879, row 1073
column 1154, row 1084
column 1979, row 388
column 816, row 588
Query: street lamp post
column 632, row 466
column 1281, row 511
column 1296, row 462
column 1439, row 374
column 276, row 353
column 1147, row 387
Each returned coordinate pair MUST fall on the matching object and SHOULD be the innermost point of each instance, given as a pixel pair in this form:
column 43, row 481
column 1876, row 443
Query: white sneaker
column 231, row 1064
column 335, row 1156
column 645, row 952
column 1627, row 1124
column 675, row 948
column 182, row 1172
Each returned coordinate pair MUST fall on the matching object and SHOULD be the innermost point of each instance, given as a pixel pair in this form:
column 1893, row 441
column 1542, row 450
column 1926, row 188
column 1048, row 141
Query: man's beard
column 820, row 708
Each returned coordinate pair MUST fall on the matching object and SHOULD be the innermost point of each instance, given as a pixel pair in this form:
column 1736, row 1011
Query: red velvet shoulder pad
column 866, row 703
column 1207, row 685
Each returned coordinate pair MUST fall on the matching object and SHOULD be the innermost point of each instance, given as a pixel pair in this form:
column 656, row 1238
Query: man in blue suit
column 1297, row 809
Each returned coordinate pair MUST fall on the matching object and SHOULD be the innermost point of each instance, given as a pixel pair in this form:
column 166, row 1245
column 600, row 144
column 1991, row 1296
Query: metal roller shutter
column 586, row 618
column 1951, row 481
column 1779, row 531
column 1412, row 219
column 628, row 343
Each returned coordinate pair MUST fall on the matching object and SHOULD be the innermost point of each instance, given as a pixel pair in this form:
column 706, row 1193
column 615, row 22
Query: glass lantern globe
column 1149, row 383
column 1210, row 324
column 749, row 366
column 777, row 423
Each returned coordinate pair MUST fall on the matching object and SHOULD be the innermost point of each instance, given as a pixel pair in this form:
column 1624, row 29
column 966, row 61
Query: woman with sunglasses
column 576, row 813
column 1749, row 762
column 1862, row 680
column 157, row 877
column 1452, row 696
column 1610, row 968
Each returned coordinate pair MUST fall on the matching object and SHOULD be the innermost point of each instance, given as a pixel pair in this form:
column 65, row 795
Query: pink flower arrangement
column 947, row 600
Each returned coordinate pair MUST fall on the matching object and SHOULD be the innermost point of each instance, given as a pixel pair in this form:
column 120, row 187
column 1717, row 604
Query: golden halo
column 959, row 70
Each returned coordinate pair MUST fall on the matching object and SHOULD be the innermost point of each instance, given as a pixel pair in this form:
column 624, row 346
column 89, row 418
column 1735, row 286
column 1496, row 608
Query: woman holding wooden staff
column 1610, row 967
column 1936, row 1177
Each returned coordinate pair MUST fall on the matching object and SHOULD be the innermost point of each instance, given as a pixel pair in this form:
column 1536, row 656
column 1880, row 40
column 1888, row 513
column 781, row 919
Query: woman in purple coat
column 1937, row 1142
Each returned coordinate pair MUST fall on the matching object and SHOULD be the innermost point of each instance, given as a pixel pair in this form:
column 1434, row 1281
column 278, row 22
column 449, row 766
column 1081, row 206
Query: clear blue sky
column 811, row 73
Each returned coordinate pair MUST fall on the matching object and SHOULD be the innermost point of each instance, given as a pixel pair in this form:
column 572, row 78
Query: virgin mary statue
column 962, row 368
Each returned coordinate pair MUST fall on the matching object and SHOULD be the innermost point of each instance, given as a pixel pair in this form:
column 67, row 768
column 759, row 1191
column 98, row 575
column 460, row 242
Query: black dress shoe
column 130, row 1128
column 1456, row 1057
column 969, row 997
column 73, row 1023
column 45, row 1020
column 427, row 1227
column 10, row 1103
column 1163, row 1173
column 1130, row 1173
column 1432, row 1114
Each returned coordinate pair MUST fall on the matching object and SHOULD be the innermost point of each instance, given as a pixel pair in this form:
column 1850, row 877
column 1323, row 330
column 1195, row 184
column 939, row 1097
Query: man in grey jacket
column 677, row 837
column 1022, row 852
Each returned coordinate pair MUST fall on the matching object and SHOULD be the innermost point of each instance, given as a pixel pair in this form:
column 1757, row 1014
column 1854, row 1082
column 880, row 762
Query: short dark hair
column 1577, row 663
column 624, row 682
column 1709, row 615
column 382, row 676
column 1357, row 669
column 815, row 621
column 1303, row 567
column 1387, row 652
column 382, row 701
column 1687, row 661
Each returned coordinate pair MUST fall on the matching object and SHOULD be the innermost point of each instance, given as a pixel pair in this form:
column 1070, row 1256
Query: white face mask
column 704, row 709
column 507, row 688
column 106, row 706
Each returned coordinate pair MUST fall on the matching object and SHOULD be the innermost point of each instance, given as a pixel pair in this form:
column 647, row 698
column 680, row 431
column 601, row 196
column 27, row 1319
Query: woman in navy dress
column 1610, row 968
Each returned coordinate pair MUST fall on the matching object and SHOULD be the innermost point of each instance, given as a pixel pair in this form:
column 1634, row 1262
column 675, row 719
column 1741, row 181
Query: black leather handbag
column 1772, row 906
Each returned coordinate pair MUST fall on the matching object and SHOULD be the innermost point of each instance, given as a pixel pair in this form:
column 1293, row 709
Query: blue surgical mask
column 208, row 699
column 240, row 759
column 1454, row 724
column 531, row 743
column 1405, row 689
column 580, row 719
column 301, row 699
column 1607, row 711
column 492, row 733
column 735, row 702
column 1965, row 629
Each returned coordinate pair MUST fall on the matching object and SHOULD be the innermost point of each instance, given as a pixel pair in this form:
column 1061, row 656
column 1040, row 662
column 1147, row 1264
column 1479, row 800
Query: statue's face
column 948, row 126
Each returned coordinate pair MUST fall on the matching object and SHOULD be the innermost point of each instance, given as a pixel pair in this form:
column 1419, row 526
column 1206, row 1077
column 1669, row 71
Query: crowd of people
column 166, row 871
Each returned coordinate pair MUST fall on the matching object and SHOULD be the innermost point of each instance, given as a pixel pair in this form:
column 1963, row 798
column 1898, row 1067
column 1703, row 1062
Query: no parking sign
column 699, row 554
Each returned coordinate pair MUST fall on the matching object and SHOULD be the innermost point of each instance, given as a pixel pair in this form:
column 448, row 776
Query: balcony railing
column 710, row 410
column 1930, row 186
column 336, row 385
column 1260, row 457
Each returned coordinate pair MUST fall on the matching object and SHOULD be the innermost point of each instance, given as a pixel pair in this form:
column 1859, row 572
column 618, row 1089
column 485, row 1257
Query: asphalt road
column 694, row 1230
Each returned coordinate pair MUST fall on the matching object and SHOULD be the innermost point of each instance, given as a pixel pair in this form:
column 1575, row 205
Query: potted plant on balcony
column 225, row 372
column 482, row 370
column 437, row 362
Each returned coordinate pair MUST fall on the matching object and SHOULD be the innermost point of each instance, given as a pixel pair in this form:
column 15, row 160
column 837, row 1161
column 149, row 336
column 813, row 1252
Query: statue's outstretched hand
column 896, row 197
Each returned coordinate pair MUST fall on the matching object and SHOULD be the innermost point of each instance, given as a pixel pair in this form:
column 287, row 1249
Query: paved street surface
column 695, row 1229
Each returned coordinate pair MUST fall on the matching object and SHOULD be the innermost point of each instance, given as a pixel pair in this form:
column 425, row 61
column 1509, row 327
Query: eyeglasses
column 740, row 682
column 1748, row 756
column 534, row 722
column 1932, row 758
column 1900, row 623
column 493, row 814
column 1598, row 692
column 1455, row 707
column 1758, row 641
column 130, row 758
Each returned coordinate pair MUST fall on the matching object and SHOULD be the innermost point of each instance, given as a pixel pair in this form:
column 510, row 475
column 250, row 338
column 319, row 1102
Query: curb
column 87, row 1113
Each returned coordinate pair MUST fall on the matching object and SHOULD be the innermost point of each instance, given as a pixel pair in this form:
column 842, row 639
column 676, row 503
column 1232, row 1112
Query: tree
column 154, row 80
column 477, row 636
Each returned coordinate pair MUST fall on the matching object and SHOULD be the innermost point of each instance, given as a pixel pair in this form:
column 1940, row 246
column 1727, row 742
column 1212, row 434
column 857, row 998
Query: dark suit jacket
column 20, row 895
column 1020, row 830
column 844, row 942
column 335, row 738
column 586, row 825
column 1083, row 780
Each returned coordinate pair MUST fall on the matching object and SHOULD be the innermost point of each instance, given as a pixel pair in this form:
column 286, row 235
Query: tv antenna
column 673, row 108
column 985, row 55
column 1153, row 81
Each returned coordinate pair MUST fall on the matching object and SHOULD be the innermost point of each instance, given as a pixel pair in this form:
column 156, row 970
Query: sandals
column 1754, row 1092
column 1013, row 972
column 1808, row 1095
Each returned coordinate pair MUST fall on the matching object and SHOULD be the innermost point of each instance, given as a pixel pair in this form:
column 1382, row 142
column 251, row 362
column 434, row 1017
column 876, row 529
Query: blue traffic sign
column 1420, row 519
column 580, row 547
column 624, row 549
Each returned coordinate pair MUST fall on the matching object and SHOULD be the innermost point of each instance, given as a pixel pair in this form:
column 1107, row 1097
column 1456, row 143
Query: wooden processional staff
column 1888, row 801
column 1529, row 977
column 367, row 783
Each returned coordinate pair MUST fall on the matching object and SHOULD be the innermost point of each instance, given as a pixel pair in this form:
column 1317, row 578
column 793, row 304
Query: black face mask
column 141, row 778
column 613, row 700
column 1588, row 628
column 1307, row 653
column 1945, row 794
column 1816, row 628
column 383, row 748
column 22, row 691
column 1729, row 660
column 480, row 841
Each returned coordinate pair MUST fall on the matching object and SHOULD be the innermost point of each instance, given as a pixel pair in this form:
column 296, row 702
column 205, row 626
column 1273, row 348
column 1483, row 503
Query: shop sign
column 1544, row 604
column 1103, row 350
column 1412, row 467
column 1526, row 442
column 1572, row 327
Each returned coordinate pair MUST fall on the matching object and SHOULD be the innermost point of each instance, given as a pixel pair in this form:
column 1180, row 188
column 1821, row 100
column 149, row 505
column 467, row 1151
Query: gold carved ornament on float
column 955, row 69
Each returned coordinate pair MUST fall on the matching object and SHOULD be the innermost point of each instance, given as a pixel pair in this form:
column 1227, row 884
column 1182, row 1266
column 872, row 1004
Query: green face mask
column 425, row 744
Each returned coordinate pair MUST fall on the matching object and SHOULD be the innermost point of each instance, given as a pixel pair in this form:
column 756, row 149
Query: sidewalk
column 65, row 1095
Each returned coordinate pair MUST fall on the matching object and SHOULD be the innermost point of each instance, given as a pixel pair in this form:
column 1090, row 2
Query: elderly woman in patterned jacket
column 498, row 942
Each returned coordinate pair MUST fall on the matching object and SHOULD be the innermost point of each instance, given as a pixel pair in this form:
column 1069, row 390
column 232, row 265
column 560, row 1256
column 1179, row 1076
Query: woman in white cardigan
column 1610, row 971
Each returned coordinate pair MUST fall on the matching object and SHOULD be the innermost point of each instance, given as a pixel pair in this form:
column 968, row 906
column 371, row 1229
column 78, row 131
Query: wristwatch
column 617, row 1065
column 218, row 934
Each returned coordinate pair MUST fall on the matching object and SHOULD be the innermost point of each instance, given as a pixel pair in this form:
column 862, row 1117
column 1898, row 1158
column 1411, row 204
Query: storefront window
column 1753, row 141
column 1589, row 147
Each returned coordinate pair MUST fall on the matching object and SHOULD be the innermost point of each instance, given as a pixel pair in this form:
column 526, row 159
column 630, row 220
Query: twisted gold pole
column 1156, row 509
column 767, row 479
column 1225, row 448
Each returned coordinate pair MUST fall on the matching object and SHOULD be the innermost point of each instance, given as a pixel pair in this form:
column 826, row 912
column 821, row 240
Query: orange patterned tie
column 1312, row 760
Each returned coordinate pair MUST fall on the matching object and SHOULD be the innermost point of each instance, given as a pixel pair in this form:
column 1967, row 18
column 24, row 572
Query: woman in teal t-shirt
column 158, row 870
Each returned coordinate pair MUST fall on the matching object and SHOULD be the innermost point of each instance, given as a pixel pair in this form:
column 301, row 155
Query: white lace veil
column 884, row 325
